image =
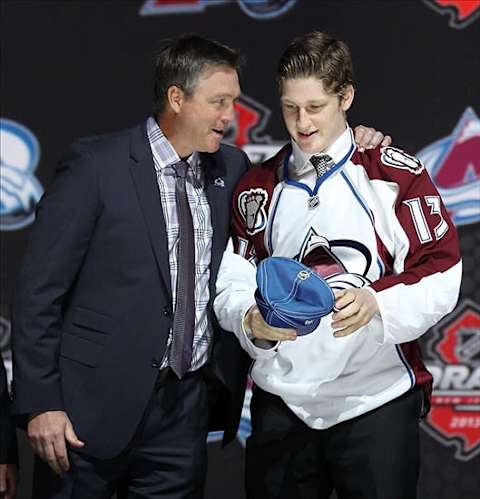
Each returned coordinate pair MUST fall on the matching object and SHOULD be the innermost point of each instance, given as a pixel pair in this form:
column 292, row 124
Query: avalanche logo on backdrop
column 461, row 12
column 259, row 9
column 19, row 189
column 454, row 418
column 454, row 165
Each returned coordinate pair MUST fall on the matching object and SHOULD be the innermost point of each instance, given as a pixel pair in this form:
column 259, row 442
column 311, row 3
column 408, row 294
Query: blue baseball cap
column 291, row 295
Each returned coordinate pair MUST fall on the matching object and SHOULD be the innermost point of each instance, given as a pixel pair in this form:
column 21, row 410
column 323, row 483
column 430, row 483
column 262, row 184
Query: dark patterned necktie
column 322, row 163
column 184, row 318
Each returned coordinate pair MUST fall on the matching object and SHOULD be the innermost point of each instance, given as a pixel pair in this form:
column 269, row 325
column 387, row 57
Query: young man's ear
column 347, row 98
column 175, row 98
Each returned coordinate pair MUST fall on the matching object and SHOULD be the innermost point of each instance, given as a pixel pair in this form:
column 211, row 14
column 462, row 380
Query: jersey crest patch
column 251, row 205
column 391, row 156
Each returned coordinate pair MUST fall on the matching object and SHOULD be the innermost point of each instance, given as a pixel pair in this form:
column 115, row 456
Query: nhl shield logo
column 454, row 419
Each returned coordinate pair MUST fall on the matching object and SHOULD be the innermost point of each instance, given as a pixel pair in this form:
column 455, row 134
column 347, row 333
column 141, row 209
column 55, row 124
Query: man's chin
column 211, row 147
column 309, row 146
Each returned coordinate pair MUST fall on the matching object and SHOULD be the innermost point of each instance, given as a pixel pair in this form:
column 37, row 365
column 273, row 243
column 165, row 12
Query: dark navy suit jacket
column 92, row 308
column 8, row 437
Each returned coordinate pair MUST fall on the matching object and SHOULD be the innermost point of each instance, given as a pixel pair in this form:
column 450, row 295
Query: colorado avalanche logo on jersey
column 391, row 156
column 454, row 349
column 19, row 189
column 316, row 253
column 251, row 205
column 453, row 162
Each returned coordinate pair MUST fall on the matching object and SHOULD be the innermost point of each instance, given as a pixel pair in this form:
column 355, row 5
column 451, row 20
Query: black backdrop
column 76, row 68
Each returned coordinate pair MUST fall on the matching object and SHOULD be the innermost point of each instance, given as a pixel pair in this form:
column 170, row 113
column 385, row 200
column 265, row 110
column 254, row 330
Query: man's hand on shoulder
column 254, row 322
column 369, row 138
column 48, row 433
column 8, row 481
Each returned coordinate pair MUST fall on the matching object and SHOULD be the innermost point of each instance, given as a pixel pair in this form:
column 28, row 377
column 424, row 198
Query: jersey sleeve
column 424, row 282
column 236, row 281
column 235, row 289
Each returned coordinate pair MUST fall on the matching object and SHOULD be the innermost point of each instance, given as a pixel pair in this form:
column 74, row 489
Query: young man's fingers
column 347, row 318
column 278, row 334
column 344, row 332
column 344, row 300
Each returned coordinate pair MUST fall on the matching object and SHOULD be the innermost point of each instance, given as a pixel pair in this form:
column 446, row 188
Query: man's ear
column 347, row 98
column 175, row 98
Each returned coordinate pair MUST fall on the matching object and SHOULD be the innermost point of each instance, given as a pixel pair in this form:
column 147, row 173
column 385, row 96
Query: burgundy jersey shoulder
column 264, row 174
column 390, row 164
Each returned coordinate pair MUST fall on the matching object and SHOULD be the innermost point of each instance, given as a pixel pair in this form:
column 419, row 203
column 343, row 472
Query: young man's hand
column 254, row 322
column 356, row 307
column 369, row 138
column 48, row 433
column 8, row 481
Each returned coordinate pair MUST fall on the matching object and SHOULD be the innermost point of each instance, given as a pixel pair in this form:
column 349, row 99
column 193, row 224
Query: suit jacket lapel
column 145, row 181
column 215, row 173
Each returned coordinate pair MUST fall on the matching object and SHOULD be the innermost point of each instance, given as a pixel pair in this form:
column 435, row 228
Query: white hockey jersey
column 376, row 220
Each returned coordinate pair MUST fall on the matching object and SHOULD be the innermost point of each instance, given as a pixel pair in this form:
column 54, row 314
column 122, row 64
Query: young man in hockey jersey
column 338, row 409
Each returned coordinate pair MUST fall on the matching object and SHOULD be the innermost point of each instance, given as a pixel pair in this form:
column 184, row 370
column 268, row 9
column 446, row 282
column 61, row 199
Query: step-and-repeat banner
column 73, row 68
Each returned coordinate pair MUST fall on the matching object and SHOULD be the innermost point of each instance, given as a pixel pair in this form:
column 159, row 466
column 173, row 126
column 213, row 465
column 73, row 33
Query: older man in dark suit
column 115, row 346
column 8, row 441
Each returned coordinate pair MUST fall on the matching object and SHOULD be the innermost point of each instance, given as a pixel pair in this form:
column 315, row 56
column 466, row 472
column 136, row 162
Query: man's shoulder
column 105, row 141
column 231, row 152
column 106, row 148
column 389, row 164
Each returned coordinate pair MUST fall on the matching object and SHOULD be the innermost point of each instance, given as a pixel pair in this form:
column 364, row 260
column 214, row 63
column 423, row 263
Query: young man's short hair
column 181, row 61
column 320, row 55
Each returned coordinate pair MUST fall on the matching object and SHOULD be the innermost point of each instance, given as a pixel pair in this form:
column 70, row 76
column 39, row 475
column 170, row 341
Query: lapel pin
column 219, row 182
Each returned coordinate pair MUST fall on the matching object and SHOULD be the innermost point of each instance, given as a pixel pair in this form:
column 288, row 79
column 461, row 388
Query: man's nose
column 229, row 114
column 302, row 119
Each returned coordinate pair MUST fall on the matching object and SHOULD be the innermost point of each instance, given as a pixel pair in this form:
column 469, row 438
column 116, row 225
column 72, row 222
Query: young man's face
column 204, row 116
column 313, row 117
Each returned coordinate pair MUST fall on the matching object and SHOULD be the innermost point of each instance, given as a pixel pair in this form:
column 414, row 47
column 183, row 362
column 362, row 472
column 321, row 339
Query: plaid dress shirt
column 164, row 156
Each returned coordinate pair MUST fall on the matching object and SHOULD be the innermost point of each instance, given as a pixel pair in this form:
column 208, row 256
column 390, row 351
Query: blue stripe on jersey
column 407, row 365
column 321, row 179
column 381, row 266
column 363, row 204
column 369, row 213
